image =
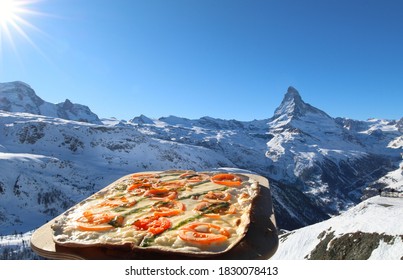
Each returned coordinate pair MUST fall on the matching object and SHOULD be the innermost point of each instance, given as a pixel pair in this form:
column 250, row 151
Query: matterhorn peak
column 292, row 95
column 292, row 91
column 293, row 105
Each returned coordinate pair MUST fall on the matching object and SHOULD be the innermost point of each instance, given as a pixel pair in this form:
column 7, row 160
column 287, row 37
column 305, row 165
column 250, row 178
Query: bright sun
column 9, row 10
column 14, row 15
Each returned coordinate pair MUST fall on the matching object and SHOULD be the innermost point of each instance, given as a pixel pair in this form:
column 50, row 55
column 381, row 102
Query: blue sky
column 227, row 59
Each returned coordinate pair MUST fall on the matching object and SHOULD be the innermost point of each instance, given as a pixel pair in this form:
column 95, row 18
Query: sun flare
column 15, row 22
column 8, row 12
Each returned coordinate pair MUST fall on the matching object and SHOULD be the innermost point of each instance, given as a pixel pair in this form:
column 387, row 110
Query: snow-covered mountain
column 370, row 230
column 20, row 97
column 330, row 160
column 318, row 166
column 49, row 164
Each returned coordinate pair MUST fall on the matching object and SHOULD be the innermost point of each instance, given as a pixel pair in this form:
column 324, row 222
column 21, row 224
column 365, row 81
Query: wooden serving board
column 260, row 241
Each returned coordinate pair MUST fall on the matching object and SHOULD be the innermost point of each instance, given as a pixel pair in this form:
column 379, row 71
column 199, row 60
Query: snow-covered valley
column 53, row 156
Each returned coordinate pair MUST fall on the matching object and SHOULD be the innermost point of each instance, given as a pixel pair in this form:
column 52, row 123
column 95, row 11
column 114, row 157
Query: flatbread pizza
column 178, row 212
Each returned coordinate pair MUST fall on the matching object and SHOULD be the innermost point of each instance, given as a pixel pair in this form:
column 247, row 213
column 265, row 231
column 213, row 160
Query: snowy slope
column 50, row 164
column 330, row 160
column 370, row 230
column 17, row 247
column 317, row 165
column 20, row 97
column 393, row 180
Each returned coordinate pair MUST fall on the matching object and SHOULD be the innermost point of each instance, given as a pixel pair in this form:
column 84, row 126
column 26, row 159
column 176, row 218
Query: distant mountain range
column 54, row 155
column 20, row 97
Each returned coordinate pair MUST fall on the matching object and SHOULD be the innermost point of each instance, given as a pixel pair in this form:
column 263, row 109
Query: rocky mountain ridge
column 20, row 97
column 350, row 236
column 318, row 166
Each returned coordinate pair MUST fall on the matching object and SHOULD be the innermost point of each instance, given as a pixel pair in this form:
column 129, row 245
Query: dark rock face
column 31, row 133
column 349, row 178
column 350, row 246
column 294, row 208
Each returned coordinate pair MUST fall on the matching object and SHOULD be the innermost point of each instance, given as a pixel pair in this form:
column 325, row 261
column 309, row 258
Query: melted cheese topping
column 109, row 217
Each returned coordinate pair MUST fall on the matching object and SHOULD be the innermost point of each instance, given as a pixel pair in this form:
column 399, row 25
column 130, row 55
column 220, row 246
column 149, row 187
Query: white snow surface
column 394, row 179
column 48, row 162
column 381, row 215
column 20, row 97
